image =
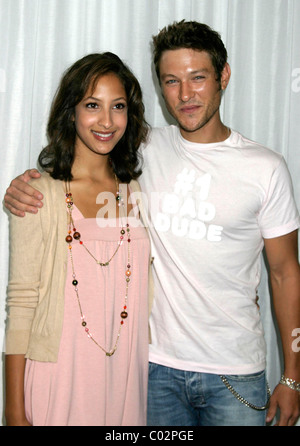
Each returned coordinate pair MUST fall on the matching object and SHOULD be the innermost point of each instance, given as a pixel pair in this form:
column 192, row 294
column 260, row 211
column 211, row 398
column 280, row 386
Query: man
column 215, row 200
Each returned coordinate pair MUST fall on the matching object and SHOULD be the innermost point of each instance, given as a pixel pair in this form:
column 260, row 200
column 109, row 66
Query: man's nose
column 185, row 92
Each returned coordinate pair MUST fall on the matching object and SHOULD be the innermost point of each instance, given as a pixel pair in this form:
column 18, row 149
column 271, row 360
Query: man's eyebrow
column 167, row 75
column 201, row 70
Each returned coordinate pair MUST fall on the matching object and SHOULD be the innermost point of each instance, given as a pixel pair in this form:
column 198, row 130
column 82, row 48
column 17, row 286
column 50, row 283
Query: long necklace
column 77, row 236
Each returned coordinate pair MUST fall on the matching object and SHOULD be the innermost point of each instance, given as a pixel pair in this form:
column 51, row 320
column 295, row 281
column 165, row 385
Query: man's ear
column 225, row 76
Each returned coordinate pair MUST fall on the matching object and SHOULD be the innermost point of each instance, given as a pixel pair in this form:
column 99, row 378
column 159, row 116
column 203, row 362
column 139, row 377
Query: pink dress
column 85, row 387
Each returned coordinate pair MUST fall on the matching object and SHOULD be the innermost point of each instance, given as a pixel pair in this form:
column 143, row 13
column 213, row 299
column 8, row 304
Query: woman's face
column 101, row 117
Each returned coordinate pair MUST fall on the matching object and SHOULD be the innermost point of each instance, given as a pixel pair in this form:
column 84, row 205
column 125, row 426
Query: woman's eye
column 91, row 105
column 120, row 106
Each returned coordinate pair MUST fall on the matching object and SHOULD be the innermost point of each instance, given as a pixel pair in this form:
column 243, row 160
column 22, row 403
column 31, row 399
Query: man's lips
column 189, row 109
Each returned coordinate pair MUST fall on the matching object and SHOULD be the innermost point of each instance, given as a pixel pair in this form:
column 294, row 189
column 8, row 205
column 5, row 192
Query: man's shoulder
column 244, row 141
column 254, row 148
column 164, row 131
column 157, row 135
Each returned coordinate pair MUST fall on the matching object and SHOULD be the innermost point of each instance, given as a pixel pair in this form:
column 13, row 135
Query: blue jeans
column 180, row 398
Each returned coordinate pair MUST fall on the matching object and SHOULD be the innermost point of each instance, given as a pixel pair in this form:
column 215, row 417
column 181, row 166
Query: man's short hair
column 193, row 35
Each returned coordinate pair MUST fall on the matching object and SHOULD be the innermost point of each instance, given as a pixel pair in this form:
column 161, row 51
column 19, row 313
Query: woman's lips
column 103, row 136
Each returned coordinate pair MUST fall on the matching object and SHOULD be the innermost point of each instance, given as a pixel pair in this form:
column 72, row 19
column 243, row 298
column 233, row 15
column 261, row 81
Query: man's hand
column 288, row 402
column 282, row 254
column 20, row 197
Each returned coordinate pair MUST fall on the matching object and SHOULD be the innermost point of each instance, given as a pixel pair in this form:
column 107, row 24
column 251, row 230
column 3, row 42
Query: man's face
column 191, row 91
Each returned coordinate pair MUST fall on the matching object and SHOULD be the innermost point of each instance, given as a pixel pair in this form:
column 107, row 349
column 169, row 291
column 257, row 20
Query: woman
column 77, row 331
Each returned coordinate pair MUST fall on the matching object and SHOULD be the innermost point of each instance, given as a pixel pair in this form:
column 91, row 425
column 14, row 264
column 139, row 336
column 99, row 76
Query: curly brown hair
column 58, row 156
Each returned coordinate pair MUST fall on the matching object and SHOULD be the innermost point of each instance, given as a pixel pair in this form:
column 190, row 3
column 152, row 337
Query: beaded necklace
column 77, row 236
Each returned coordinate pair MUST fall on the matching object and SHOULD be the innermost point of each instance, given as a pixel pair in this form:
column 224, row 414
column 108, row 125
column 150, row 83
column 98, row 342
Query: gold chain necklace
column 77, row 236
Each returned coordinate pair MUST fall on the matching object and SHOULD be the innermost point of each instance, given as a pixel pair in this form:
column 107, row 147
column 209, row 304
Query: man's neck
column 207, row 135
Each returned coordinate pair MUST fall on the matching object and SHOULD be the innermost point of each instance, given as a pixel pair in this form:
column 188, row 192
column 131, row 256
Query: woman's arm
column 26, row 254
column 14, row 376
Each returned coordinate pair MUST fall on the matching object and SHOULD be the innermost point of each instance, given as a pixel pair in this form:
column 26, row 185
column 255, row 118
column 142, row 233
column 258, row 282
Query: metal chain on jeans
column 242, row 400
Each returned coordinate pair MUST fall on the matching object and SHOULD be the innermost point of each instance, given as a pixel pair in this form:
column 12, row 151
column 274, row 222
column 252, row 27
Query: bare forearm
column 14, row 372
column 282, row 253
column 287, row 308
column 286, row 298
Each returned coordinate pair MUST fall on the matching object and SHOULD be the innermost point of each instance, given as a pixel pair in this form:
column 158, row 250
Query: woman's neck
column 92, row 169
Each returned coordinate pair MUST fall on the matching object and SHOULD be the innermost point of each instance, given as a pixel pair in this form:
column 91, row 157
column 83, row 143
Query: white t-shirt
column 210, row 206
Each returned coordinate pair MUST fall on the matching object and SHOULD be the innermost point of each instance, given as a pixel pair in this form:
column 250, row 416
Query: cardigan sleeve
column 26, row 255
column 135, row 187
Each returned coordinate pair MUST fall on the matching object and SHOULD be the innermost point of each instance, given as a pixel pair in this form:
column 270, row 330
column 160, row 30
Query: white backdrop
column 41, row 38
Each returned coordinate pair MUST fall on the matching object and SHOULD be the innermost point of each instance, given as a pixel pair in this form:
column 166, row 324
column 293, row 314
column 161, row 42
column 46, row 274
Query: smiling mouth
column 101, row 136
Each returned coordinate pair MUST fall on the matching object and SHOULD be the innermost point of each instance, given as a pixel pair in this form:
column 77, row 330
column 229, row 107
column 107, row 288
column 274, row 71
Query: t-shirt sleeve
column 279, row 215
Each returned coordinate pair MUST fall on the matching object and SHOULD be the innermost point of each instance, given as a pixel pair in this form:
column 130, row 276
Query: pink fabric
column 85, row 387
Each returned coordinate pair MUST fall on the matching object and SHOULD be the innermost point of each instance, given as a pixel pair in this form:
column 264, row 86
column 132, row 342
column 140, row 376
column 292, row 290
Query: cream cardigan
column 38, row 265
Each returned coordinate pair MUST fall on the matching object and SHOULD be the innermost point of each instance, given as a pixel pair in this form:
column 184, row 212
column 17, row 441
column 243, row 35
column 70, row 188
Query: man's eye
column 171, row 81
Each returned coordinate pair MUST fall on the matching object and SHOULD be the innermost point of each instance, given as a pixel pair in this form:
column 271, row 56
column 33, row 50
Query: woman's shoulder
column 46, row 184
column 134, row 186
column 53, row 194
